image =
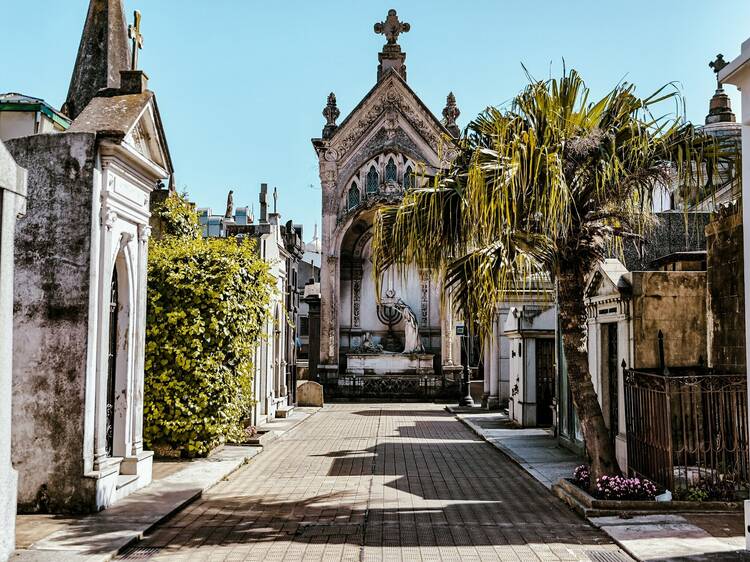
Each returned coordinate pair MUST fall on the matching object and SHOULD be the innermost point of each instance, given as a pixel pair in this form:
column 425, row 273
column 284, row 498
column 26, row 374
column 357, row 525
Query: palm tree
column 544, row 190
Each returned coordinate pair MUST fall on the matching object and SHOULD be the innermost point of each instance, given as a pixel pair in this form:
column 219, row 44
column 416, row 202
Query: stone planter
column 589, row 506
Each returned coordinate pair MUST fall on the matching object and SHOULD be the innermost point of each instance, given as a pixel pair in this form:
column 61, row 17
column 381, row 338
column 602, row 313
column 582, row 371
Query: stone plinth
column 389, row 363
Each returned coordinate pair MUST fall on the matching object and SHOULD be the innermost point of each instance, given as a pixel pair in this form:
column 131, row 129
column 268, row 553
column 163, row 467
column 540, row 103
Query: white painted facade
column 124, row 180
column 608, row 321
column 738, row 74
column 12, row 206
column 269, row 382
column 97, row 443
column 529, row 330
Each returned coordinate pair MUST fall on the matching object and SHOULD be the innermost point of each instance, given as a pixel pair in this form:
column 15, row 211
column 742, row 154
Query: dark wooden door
column 112, row 364
column 545, row 380
column 612, row 378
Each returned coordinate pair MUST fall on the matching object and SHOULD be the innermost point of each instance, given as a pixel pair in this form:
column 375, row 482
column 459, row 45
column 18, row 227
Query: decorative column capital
column 144, row 232
column 109, row 218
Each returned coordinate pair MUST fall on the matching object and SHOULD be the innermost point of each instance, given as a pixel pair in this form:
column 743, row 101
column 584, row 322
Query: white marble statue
column 412, row 341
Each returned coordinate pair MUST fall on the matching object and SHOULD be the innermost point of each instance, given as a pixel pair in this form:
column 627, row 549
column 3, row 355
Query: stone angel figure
column 412, row 341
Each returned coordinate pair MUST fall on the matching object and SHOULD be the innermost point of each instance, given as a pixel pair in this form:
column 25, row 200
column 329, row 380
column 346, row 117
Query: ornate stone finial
column 391, row 57
column 275, row 200
column 230, row 205
column 392, row 27
column 450, row 114
column 718, row 65
column 331, row 113
column 134, row 32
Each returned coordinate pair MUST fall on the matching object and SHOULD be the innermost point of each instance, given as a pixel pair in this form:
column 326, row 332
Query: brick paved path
column 378, row 482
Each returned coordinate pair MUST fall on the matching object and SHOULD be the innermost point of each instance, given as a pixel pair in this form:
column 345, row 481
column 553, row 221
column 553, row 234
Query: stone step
column 125, row 479
column 284, row 411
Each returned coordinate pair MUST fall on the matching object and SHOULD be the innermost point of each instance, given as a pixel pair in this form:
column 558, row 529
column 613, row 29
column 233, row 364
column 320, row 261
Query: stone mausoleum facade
column 80, row 281
column 390, row 142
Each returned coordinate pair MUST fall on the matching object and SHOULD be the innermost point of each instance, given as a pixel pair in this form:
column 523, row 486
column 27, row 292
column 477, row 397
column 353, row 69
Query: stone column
column 12, row 205
column 144, row 233
column 106, row 266
column 329, row 317
column 329, row 269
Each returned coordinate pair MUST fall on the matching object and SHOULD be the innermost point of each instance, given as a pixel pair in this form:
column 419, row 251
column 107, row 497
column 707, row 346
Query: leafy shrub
column 207, row 303
column 582, row 476
column 621, row 488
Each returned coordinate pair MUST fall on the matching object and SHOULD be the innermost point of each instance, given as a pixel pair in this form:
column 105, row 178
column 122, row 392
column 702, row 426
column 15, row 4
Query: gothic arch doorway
column 116, row 418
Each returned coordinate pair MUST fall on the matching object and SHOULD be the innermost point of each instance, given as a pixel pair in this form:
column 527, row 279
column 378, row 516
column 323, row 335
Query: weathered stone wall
column 51, row 303
column 675, row 303
column 726, row 291
column 12, row 205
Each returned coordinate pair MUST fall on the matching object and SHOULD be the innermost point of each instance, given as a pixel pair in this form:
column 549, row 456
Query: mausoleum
column 80, row 288
column 398, row 342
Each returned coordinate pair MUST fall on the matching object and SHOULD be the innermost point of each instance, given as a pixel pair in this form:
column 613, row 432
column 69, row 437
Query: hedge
column 207, row 305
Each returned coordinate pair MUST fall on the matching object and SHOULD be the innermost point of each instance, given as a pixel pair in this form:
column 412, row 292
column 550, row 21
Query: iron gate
column 688, row 428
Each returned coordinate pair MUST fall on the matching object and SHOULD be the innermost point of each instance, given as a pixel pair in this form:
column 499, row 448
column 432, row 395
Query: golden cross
column 134, row 32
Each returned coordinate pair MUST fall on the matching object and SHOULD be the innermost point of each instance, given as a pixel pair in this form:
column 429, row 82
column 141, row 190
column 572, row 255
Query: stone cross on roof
column 392, row 27
column 718, row 65
column 134, row 32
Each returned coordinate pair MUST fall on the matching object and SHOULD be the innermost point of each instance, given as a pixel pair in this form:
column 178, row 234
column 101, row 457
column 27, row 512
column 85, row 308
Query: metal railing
column 687, row 429
column 390, row 387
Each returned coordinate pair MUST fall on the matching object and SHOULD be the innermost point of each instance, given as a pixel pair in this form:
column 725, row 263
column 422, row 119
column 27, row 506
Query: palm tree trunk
column 570, row 295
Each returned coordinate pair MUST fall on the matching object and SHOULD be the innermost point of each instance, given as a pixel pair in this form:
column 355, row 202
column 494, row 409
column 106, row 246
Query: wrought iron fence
column 389, row 386
column 688, row 431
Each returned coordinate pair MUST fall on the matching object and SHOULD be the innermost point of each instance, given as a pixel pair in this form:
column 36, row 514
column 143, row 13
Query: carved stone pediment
column 145, row 138
column 605, row 280
column 390, row 104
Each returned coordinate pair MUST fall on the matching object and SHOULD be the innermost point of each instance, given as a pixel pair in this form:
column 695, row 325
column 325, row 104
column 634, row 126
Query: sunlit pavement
column 378, row 482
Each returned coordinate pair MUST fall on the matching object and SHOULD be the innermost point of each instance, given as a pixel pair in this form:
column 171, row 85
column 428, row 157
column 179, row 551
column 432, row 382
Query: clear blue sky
column 241, row 83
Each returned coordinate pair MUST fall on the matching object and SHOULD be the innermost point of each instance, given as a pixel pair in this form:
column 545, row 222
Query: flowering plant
column 581, row 476
column 621, row 488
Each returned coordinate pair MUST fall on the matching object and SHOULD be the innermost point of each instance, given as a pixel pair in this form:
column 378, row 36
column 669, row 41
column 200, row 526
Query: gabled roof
column 395, row 75
column 118, row 116
column 113, row 116
column 610, row 271
column 396, row 93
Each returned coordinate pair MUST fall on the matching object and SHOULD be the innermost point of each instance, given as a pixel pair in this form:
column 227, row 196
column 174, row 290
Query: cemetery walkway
column 378, row 482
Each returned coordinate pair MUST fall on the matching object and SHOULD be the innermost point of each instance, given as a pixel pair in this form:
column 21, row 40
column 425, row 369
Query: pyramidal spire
column 102, row 54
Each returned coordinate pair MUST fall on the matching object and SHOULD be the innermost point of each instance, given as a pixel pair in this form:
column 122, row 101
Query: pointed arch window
column 353, row 198
column 391, row 173
column 409, row 180
column 372, row 180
